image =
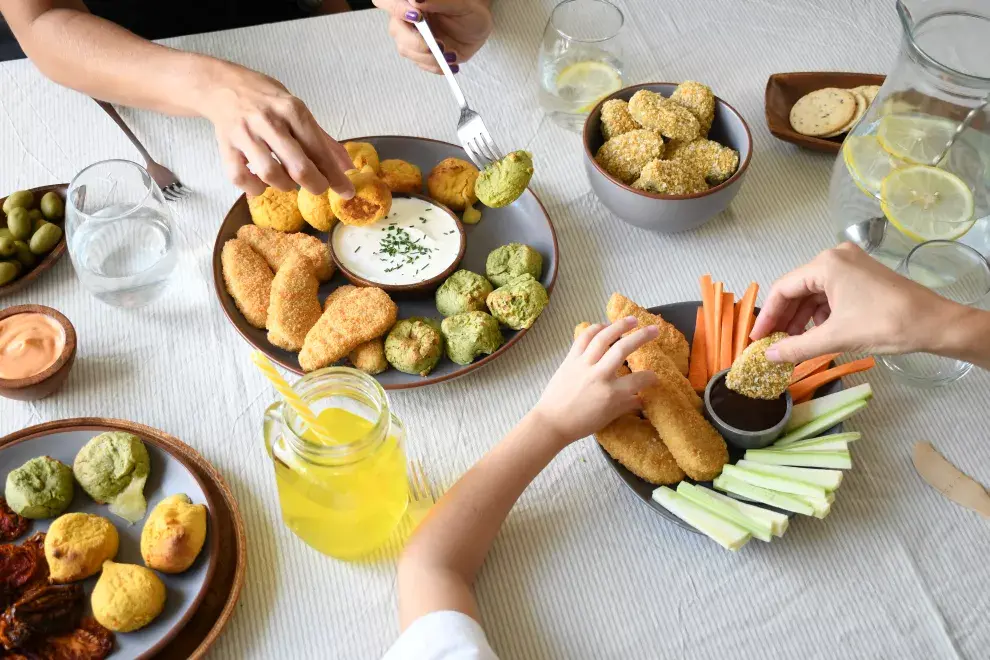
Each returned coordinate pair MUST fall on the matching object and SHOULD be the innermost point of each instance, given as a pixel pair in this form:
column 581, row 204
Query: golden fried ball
column 315, row 210
column 274, row 209
column 174, row 534
column 77, row 544
column 363, row 155
column 401, row 176
column 451, row 183
column 127, row 597
column 371, row 202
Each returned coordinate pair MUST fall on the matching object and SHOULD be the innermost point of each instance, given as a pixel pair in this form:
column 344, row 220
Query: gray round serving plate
column 683, row 316
column 169, row 475
column 523, row 221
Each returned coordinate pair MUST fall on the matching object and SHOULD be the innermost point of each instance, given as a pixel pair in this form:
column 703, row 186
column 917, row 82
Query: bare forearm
column 964, row 334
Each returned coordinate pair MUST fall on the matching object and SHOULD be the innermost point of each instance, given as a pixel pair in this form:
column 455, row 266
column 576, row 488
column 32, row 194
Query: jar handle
column 271, row 427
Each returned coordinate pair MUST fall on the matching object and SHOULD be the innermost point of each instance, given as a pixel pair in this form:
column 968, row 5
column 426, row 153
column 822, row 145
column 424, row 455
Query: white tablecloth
column 581, row 569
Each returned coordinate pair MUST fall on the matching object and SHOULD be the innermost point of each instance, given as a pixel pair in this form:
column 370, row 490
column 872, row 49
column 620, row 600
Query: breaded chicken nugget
column 451, row 183
column 337, row 294
column 696, row 446
column 753, row 375
column 671, row 341
column 715, row 162
column 616, row 119
column 625, row 156
column 369, row 357
column 353, row 317
column 363, row 155
column 248, row 280
column 670, row 177
column 294, row 306
column 371, row 202
column 699, row 100
column 633, row 442
column 315, row 210
column 276, row 246
column 275, row 209
column 401, row 176
column 656, row 113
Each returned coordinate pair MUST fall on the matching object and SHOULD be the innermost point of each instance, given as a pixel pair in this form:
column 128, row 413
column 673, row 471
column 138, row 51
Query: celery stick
column 825, row 446
column 778, row 521
column 827, row 479
column 836, row 460
column 757, row 527
column 803, row 413
column 774, row 482
column 820, row 424
column 727, row 534
column 851, row 436
column 757, row 494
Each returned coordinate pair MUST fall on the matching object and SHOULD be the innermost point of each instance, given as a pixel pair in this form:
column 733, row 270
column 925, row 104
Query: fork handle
column 431, row 42
column 117, row 119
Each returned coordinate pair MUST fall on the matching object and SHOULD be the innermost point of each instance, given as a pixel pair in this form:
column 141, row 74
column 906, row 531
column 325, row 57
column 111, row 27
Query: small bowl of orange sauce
column 37, row 350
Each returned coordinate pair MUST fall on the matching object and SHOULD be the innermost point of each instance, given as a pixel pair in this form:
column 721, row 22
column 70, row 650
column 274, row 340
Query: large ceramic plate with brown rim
column 523, row 221
column 49, row 259
column 171, row 473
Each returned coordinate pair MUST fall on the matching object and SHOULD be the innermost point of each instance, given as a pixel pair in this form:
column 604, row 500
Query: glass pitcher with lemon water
column 344, row 494
column 917, row 166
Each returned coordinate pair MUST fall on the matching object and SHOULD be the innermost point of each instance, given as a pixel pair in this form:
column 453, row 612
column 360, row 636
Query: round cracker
column 861, row 106
column 823, row 111
column 869, row 92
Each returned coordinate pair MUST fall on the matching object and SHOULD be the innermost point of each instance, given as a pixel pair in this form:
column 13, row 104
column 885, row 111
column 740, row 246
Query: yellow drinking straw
column 289, row 394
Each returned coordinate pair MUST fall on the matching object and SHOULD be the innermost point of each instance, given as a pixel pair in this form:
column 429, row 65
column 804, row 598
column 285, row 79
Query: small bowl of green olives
column 32, row 237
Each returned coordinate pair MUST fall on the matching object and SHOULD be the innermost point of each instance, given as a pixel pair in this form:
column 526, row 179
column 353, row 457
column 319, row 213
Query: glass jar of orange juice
column 345, row 494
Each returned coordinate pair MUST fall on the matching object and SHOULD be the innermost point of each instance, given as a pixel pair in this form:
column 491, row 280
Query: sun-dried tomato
column 44, row 609
column 90, row 641
column 12, row 525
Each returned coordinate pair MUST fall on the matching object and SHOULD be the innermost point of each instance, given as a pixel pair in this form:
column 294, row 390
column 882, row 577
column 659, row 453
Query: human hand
column 461, row 28
column 267, row 136
column 584, row 395
column 857, row 305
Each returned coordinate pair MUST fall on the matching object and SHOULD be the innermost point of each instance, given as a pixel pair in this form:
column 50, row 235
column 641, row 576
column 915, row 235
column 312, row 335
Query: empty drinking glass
column 119, row 233
column 954, row 271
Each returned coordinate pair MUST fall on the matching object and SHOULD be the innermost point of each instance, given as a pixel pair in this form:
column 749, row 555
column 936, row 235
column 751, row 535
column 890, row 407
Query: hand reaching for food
column 461, row 28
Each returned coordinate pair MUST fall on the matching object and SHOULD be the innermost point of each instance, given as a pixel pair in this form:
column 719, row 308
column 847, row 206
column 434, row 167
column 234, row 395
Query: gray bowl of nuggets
column 666, row 157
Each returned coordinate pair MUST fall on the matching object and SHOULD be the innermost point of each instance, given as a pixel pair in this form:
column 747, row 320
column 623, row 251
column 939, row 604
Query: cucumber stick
column 778, row 521
column 827, row 479
column 835, row 460
column 727, row 534
column 819, row 424
column 835, row 438
column 775, row 482
column 755, row 526
column 804, row 413
column 780, row 500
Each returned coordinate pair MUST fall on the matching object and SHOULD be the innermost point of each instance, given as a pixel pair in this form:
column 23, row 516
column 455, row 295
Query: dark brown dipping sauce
column 744, row 413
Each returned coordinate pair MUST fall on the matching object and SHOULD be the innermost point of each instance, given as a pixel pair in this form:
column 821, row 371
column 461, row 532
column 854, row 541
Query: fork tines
column 174, row 191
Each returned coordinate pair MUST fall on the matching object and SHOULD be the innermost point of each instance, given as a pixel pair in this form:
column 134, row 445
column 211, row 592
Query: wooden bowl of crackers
column 815, row 109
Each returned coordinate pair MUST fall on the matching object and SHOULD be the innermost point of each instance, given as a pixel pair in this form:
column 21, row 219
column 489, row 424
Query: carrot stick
column 725, row 349
column 804, row 389
column 708, row 305
column 716, row 338
column 752, row 322
column 698, row 370
column 746, row 305
column 812, row 366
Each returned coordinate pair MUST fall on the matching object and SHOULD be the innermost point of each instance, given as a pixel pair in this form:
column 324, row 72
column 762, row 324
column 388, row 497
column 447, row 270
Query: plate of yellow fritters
column 276, row 280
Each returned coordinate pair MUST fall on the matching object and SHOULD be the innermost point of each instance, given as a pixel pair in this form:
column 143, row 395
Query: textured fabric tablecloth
column 581, row 569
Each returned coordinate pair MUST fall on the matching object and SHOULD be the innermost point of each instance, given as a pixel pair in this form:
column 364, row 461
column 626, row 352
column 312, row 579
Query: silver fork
column 471, row 131
column 421, row 492
column 171, row 187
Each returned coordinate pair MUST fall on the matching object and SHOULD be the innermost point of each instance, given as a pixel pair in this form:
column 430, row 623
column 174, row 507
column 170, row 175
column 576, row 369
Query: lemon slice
column 927, row 203
column 918, row 139
column 587, row 82
column 868, row 163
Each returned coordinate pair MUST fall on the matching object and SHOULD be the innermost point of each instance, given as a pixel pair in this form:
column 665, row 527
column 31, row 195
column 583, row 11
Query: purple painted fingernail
column 412, row 16
column 450, row 57
column 440, row 45
column 454, row 68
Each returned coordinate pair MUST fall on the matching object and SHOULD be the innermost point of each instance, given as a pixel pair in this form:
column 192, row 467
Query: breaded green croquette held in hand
column 633, row 442
column 625, row 156
column 504, row 181
column 753, row 375
column 670, row 177
column 616, row 119
column 699, row 100
column 715, row 162
column 248, row 280
column 670, row 119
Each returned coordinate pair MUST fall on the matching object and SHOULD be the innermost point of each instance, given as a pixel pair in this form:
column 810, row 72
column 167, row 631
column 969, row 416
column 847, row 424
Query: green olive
column 51, row 206
column 46, row 238
column 35, row 214
column 5, row 232
column 7, row 247
column 38, row 222
column 19, row 223
column 21, row 198
column 9, row 270
column 24, row 254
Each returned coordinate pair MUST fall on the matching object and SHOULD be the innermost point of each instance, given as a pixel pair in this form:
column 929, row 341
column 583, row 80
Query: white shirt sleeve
column 442, row 636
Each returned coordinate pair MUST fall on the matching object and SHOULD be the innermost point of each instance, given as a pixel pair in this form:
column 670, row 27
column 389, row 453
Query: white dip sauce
column 415, row 242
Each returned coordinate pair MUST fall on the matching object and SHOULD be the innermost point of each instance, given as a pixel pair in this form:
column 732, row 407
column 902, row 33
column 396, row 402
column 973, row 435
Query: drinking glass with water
column 119, row 233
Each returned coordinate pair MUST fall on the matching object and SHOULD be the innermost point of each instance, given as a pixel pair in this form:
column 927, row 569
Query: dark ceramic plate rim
column 265, row 348
column 631, row 480
column 786, row 133
column 596, row 112
column 45, row 264
column 147, row 434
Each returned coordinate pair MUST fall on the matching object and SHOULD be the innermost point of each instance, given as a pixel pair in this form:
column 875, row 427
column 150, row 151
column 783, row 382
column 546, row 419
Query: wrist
column 961, row 330
column 544, row 428
column 208, row 78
